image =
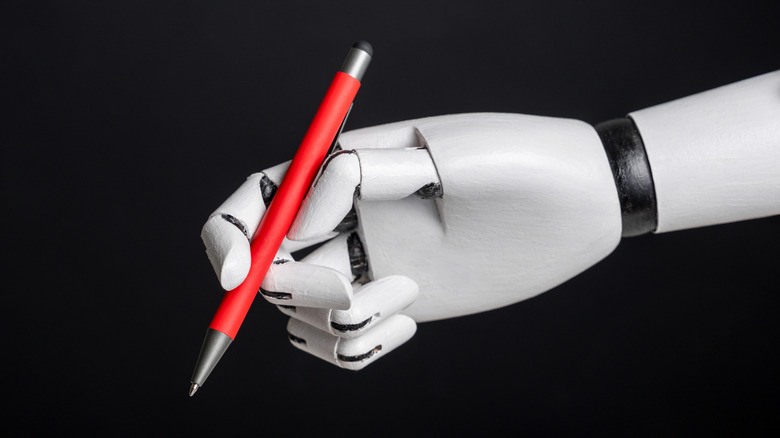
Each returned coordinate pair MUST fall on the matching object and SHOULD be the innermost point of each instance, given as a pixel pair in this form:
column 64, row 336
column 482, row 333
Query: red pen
column 280, row 214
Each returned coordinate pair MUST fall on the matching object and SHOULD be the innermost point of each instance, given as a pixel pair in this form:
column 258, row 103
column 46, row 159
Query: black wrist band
column 633, row 178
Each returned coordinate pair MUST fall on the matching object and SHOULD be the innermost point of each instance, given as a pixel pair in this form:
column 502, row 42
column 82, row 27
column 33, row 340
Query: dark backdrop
column 128, row 123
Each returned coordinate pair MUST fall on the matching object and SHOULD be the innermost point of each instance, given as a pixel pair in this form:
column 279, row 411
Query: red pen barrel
column 281, row 213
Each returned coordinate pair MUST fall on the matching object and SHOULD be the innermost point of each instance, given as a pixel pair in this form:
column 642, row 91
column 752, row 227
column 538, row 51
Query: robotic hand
column 446, row 216
column 423, row 220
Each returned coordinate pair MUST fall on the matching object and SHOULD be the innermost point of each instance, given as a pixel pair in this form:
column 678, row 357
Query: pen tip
column 193, row 388
column 364, row 46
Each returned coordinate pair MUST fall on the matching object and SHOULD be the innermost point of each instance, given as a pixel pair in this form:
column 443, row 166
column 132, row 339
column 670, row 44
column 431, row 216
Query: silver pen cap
column 357, row 60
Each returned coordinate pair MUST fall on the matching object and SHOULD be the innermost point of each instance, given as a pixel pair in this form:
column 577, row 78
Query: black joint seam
column 359, row 357
column 290, row 308
column 238, row 224
column 296, row 339
column 267, row 189
column 434, row 189
column 430, row 191
column 357, row 255
column 631, row 172
column 276, row 295
column 350, row 327
column 349, row 222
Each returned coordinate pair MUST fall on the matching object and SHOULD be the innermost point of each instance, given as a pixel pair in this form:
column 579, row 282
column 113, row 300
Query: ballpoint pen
column 274, row 225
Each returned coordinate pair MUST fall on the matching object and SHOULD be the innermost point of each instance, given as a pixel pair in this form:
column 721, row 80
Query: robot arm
column 714, row 157
column 446, row 216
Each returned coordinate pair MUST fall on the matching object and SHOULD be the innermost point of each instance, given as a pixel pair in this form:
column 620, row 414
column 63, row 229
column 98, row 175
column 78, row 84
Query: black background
column 128, row 123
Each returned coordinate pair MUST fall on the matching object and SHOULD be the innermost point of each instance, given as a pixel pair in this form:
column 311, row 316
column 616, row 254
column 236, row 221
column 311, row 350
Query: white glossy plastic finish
column 528, row 202
column 715, row 156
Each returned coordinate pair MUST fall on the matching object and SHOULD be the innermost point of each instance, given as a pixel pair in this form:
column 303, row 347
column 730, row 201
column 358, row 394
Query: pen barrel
column 284, row 206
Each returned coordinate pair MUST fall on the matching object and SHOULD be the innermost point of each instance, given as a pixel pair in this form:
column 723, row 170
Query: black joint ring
column 357, row 255
column 633, row 178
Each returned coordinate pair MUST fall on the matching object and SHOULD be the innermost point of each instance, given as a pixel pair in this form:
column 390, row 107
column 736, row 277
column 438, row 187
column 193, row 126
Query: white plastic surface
column 528, row 203
column 715, row 156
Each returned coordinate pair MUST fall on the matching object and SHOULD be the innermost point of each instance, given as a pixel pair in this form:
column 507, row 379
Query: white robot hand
column 423, row 220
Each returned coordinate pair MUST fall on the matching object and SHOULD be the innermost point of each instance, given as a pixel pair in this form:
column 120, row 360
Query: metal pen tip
column 193, row 388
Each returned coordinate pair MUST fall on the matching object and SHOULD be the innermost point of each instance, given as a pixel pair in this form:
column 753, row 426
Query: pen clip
column 335, row 145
